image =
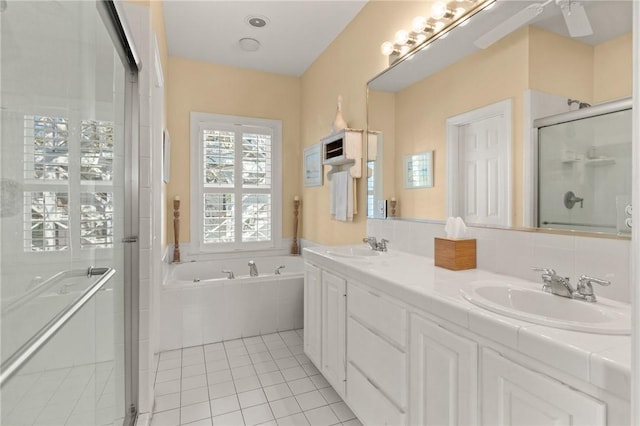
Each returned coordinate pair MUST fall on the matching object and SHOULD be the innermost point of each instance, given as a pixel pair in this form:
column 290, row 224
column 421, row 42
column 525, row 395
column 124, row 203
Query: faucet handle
column 277, row 271
column 585, row 289
column 230, row 274
column 383, row 244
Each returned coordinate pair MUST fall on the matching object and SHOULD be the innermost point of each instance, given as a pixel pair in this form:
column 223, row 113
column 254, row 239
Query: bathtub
column 199, row 304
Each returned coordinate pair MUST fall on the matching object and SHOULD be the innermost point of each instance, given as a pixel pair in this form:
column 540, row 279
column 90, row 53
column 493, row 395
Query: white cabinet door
column 443, row 376
column 334, row 313
column 515, row 395
column 312, row 313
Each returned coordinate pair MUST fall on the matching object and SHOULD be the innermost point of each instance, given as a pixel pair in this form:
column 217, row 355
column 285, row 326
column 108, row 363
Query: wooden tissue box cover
column 455, row 254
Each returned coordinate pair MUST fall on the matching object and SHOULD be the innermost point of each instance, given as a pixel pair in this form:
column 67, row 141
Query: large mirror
column 529, row 130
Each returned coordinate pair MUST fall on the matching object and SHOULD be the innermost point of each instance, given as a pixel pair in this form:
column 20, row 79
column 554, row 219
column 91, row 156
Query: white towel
column 342, row 203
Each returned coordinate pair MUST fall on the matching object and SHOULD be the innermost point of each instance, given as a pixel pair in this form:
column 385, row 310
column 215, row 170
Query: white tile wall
column 513, row 252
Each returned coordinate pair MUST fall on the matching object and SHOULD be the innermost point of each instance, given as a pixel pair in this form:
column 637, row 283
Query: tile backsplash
column 513, row 252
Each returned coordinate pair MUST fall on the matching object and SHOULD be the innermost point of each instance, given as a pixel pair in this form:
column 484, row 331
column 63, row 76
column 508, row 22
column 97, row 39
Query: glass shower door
column 584, row 173
column 64, row 157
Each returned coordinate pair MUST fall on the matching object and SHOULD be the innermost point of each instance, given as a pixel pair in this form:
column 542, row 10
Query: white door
column 443, row 376
column 334, row 313
column 479, row 160
column 515, row 395
column 312, row 313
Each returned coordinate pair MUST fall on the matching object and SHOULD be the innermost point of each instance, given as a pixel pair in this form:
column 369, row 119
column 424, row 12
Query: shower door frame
column 115, row 22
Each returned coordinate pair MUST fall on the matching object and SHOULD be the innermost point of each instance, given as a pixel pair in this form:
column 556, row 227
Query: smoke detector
column 257, row 21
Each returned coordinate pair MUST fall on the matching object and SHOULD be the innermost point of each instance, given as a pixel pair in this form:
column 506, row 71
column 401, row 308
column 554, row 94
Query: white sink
column 536, row 306
column 364, row 252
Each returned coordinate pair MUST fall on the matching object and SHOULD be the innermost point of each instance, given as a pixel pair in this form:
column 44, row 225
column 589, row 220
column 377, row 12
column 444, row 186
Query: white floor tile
column 217, row 365
column 275, row 344
column 193, row 396
column 177, row 353
column 330, row 395
column 342, row 411
column 265, row 367
column 269, row 423
column 260, row 357
column 293, row 373
column 169, row 364
column 167, row 402
column 229, row 419
column 273, row 378
column 192, row 360
column 256, row 415
column 302, row 359
column 287, row 362
column 257, row 347
column 278, row 391
column 191, row 413
column 235, row 343
column 239, row 361
column 224, row 405
column 280, row 353
column 295, row 420
column 192, row 351
column 354, row 422
column 247, row 383
column 166, row 418
column 251, row 398
column 252, row 340
column 194, row 382
column 166, row 388
column 239, row 351
column 272, row 337
column 310, row 369
column 244, row 371
column 301, row 386
column 203, row 422
column 297, row 349
column 221, row 389
column 219, row 377
column 319, row 381
column 213, row 347
column 285, row 407
column 215, row 356
column 168, row 375
column 322, row 416
column 310, row 400
column 193, row 370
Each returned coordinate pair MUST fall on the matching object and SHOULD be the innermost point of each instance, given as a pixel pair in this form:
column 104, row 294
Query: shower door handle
column 132, row 239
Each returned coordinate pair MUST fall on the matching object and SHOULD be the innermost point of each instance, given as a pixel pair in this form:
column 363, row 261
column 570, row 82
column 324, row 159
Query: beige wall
column 613, row 69
column 344, row 69
column 194, row 86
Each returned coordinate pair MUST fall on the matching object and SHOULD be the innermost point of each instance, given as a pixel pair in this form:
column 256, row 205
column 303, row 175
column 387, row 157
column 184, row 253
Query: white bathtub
column 200, row 305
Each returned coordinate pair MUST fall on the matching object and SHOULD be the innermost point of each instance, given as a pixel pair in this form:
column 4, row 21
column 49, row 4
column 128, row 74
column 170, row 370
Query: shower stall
column 67, row 214
column 584, row 169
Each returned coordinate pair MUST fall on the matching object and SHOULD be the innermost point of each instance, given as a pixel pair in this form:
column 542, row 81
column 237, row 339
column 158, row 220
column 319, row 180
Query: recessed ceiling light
column 257, row 21
column 249, row 44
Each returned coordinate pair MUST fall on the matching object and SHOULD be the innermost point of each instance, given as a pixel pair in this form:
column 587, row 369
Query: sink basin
column 536, row 306
column 364, row 252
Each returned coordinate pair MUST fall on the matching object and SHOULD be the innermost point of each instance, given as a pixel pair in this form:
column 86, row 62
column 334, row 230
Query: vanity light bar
column 443, row 18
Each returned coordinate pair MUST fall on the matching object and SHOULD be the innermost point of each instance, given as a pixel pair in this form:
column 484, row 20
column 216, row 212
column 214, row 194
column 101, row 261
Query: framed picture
column 166, row 156
column 312, row 165
column 418, row 170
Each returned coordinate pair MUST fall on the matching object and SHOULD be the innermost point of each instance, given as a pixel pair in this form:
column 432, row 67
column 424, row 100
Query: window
column 59, row 155
column 236, row 185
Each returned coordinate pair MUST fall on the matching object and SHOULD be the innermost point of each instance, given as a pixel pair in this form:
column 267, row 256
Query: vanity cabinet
column 312, row 313
column 443, row 375
column 515, row 395
column 334, row 293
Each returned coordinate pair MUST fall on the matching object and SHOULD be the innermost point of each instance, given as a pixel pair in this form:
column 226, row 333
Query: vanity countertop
column 601, row 360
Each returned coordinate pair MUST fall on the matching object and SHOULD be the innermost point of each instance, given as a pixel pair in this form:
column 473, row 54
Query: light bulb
column 438, row 26
column 438, row 10
column 420, row 38
column 402, row 37
column 387, row 48
column 418, row 24
column 404, row 50
column 458, row 12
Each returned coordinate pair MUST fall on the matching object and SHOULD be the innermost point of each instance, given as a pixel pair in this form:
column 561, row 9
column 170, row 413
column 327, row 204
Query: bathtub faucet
column 277, row 271
column 253, row 269
column 229, row 273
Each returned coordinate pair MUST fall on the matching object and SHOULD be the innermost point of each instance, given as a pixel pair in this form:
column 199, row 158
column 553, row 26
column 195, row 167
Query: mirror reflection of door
column 479, row 172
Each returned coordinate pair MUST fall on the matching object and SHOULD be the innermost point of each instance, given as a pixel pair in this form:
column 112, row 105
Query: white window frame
column 200, row 120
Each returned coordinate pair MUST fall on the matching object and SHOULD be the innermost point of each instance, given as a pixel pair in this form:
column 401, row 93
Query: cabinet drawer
column 377, row 359
column 380, row 313
column 368, row 403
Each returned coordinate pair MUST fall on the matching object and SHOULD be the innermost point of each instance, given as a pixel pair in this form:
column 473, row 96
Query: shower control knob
column 628, row 222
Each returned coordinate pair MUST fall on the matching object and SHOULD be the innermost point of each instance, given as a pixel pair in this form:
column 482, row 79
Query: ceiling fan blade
column 576, row 18
column 509, row 25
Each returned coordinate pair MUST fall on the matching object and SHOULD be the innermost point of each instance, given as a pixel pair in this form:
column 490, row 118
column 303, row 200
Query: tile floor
column 261, row 380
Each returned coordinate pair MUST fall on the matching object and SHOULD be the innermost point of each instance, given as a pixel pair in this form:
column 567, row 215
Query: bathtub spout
column 230, row 275
column 253, row 269
column 277, row 271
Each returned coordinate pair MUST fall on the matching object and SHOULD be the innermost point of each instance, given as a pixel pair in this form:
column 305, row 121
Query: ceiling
column 297, row 32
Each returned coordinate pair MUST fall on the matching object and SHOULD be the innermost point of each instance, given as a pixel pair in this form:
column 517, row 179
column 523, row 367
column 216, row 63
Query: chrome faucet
column 375, row 244
column 561, row 286
column 277, row 271
column 230, row 274
column 253, row 269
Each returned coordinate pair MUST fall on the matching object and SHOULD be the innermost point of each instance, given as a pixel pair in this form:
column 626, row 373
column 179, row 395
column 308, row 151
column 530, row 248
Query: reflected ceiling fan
column 575, row 17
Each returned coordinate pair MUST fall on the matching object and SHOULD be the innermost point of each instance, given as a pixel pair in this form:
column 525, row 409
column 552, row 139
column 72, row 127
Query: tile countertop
column 601, row 360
